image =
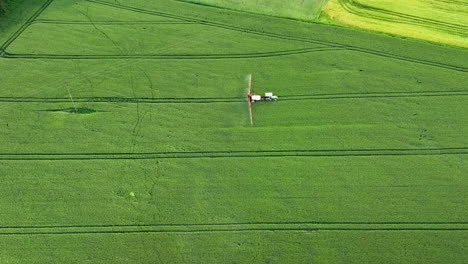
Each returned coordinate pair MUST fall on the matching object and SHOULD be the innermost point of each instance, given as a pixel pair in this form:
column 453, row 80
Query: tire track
column 454, row 2
column 207, row 100
column 132, row 100
column 372, row 95
column 356, row 8
column 434, row 22
column 67, row 22
column 323, row 2
column 211, row 23
column 282, row 36
column 407, row 59
column 5, row 54
column 28, row 23
column 175, row 57
column 244, row 223
column 232, row 230
column 231, row 227
column 233, row 154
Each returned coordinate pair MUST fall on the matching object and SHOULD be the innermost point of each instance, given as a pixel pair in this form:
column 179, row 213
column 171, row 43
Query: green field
column 7, row 5
column 362, row 160
column 442, row 21
column 298, row 9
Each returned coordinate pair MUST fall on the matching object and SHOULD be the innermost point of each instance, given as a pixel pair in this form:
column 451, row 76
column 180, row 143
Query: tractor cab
column 268, row 97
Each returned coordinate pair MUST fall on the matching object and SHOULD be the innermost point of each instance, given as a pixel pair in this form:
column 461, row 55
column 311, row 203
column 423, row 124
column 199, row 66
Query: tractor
column 269, row 97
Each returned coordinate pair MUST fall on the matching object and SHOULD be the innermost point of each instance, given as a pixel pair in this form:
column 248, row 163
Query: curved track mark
column 454, row 2
column 175, row 57
column 5, row 54
column 281, row 36
column 67, row 22
column 357, row 8
column 211, row 23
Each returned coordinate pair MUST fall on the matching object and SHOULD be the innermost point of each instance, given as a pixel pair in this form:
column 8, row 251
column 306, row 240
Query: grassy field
column 362, row 160
column 297, row 9
column 438, row 21
column 7, row 5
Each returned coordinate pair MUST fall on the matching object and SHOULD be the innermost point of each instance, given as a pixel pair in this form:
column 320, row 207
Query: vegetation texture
column 298, row 9
column 126, row 139
column 435, row 20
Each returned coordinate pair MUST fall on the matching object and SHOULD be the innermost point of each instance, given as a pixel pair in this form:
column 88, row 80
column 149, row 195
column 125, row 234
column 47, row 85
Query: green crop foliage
column 439, row 21
column 125, row 138
column 241, row 247
column 297, row 9
column 7, row 6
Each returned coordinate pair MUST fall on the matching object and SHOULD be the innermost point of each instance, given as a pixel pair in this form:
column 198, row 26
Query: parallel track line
column 28, row 23
column 173, row 56
column 206, row 100
column 232, row 154
column 281, row 36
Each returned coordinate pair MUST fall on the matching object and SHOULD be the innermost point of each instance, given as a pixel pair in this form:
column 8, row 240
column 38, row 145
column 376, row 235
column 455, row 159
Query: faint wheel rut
column 357, row 8
column 331, row 45
column 232, row 227
column 209, row 100
column 235, row 154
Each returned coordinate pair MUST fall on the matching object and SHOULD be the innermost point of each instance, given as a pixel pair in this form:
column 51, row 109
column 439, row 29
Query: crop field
column 298, row 9
column 125, row 138
column 444, row 21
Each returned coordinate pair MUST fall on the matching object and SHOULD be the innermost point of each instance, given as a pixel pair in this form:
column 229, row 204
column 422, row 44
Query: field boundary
column 233, row 154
